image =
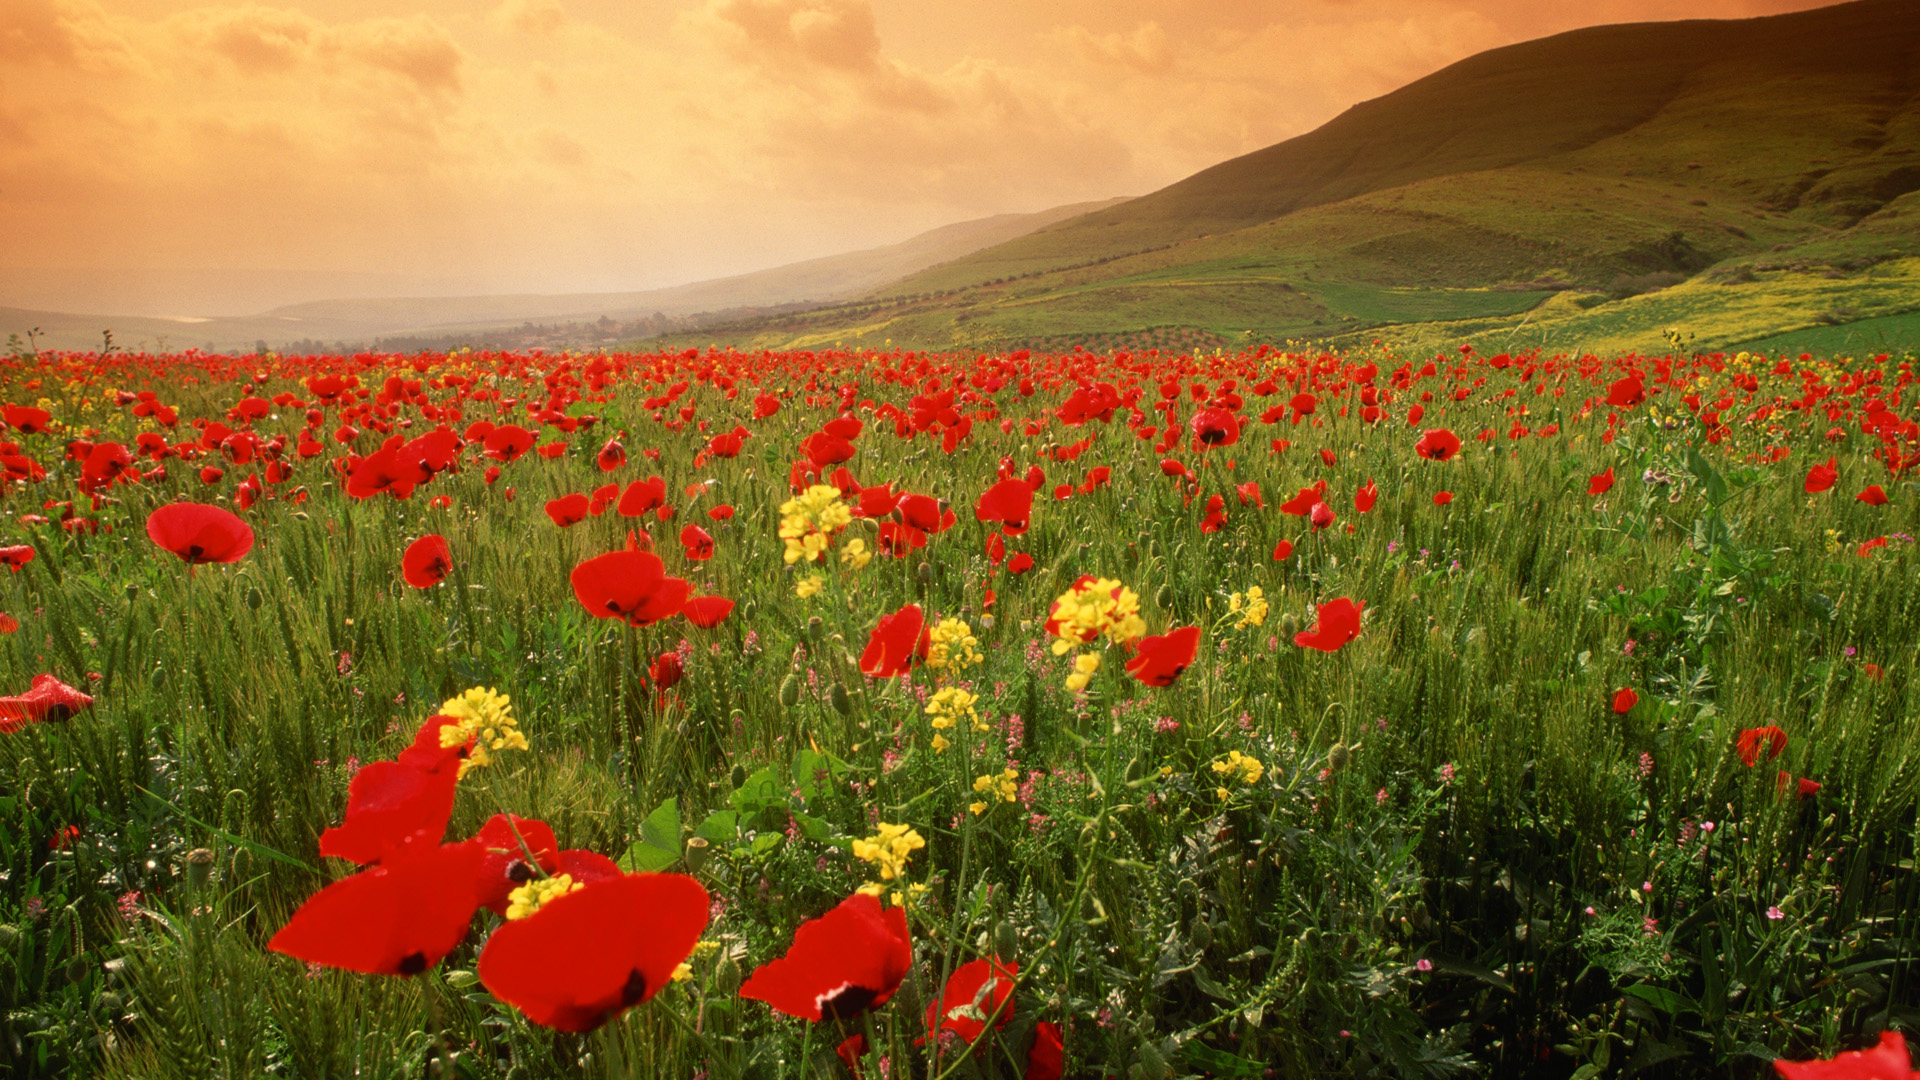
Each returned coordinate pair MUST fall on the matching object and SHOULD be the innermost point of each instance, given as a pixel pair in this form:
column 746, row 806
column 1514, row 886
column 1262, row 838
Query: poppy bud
column 199, row 867
column 1164, row 597
column 726, row 975
column 815, row 628
column 1288, row 626
column 1337, row 757
column 747, row 611
column 110, row 1003
column 1006, row 942
column 78, row 968
column 133, row 593
column 837, row 697
column 253, row 599
column 738, row 777
column 696, row 853
column 1201, row 935
column 925, row 572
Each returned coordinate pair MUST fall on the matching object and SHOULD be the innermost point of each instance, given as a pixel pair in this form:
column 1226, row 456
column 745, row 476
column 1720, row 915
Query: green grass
column 1453, row 786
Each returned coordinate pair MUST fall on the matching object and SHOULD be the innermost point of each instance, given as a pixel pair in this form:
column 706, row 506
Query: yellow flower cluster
column 855, row 555
column 1240, row 767
column 1084, row 666
column 947, row 706
column 527, row 899
column 809, row 520
column 953, row 646
column 1088, row 610
column 486, row 718
column 889, row 849
column 1251, row 606
column 1003, row 787
column 809, row 586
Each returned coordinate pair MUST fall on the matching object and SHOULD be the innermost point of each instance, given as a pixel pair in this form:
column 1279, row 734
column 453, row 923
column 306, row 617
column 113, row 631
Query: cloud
column 1145, row 50
column 536, row 17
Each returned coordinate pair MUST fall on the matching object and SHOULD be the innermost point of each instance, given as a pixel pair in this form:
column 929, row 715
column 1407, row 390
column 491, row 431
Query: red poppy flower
column 603, row 496
column 397, row 919
column 392, row 809
column 507, row 867
column 824, row 449
column 1600, row 483
column 26, row 419
column 568, row 510
column 1009, row 502
column 1442, row 498
column 1249, row 493
column 629, row 585
column 707, row 612
column 611, row 456
column 1337, row 623
column 552, row 451
column 17, row 556
column 1625, row 700
column 925, row 513
column 199, row 533
column 1047, row 1060
column 898, row 642
column 765, row 405
column 1875, row 495
column 1283, row 551
column 847, row 961
column 642, row 496
column 1364, row 499
column 1627, row 392
column 1870, row 546
column 983, row 984
column 1754, row 740
column 426, row 562
column 1321, row 516
column 1803, row 789
column 698, row 543
column 589, row 955
column 1161, row 659
column 1887, row 1061
column 666, row 671
column 1216, row 427
column 1822, row 477
column 8, row 624
column 426, row 753
column 47, row 698
column 1437, row 444
column 720, row 513
column 1309, row 497
column 877, row 501
column 1020, row 563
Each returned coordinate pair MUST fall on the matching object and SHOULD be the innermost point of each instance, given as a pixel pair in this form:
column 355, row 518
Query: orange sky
column 562, row 145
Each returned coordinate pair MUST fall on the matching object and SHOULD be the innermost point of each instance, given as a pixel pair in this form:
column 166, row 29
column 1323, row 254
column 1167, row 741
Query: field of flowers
column 820, row 714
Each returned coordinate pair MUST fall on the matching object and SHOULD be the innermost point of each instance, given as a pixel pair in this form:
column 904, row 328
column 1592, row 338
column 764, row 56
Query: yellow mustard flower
column 484, row 717
column 1004, row 787
column 809, row 586
column 889, row 848
column 1238, row 766
column 1251, row 606
column 952, row 646
column 855, row 554
column 1084, row 666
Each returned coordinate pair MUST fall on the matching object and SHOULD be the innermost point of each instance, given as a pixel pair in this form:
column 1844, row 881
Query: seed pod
column 790, row 691
column 77, row 968
column 986, row 622
column 199, row 867
column 837, row 697
column 696, row 854
column 133, row 593
column 254, row 599
column 1337, row 757
column 815, row 628
column 924, row 572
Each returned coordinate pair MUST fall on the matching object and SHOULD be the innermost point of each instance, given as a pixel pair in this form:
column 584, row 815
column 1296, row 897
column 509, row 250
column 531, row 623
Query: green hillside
column 1766, row 164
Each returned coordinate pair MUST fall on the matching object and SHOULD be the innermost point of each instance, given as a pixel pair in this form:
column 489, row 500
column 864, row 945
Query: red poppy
column 1875, row 495
column 1600, row 483
column 898, row 642
column 642, row 496
column 1321, row 516
column 925, row 513
column 765, row 405
column 1216, row 427
column 1442, row 498
column 611, row 456
column 877, row 501
column 426, row 753
column 1162, row 658
column 666, row 671
column 603, row 497
column 629, row 585
column 1009, row 502
column 1020, row 563
column 507, row 866
column 587, row 956
column 1822, row 477
column 1869, row 547
column 986, row 985
column 1047, row 1060
column 847, row 961
column 426, row 562
column 1364, row 499
column 8, row 624
column 392, row 809
column 1753, row 740
column 698, row 543
column 1625, row 700
column 1803, row 789
column 1337, row 623
column 47, row 698
column 199, row 533
column 1309, row 497
column 552, row 451
column 1887, row 1061
column 1627, row 392
column 1249, row 493
column 1283, row 551
column 720, row 513
column 397, row 919
column 568, row 510
column 17, row 556
column 1437, row 444
column 824, row 449
column 707, row 612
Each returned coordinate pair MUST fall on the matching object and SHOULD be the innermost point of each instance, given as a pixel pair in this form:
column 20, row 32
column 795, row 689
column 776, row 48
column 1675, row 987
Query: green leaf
column 720, row 827
column 1665, row 1000
column 761, row 791
column 808, row 767
column 1219, row 1062
column 659, row 843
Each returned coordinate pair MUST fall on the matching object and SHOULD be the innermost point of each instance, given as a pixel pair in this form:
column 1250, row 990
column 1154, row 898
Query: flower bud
column 837, row 697
column 1006, row 942
column 738, row 777
column 726, row 974
column 790, row 691
column 199, row 867
column 1337, row 757
column 696, row 854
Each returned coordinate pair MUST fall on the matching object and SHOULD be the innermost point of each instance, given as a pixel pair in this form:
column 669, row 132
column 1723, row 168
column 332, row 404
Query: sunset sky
column 432, row 146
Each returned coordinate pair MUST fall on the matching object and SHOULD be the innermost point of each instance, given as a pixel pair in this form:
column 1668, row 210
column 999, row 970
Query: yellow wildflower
column 889, row 849
column 951, row 704
column 809, row 520
column 940, row 744
column 484, row 718
column 1092, row 608
column 1239, row 766
column 1251, row 606
column 1084, row 666
column 1003, row 787
column 952, row 645
column 855, row 554
column 809, row 586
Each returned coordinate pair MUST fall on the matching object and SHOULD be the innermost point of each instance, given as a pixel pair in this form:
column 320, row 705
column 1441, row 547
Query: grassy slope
column 1502, row 171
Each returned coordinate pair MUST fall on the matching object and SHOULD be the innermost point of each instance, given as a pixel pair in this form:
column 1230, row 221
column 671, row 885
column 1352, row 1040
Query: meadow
column 899, row 714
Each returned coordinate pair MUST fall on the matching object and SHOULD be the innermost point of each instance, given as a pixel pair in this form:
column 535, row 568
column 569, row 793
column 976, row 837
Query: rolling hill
column 1739, row 179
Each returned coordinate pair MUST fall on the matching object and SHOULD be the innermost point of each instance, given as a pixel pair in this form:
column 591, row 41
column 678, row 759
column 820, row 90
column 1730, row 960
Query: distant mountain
column 361, row 321
column 1598, row 169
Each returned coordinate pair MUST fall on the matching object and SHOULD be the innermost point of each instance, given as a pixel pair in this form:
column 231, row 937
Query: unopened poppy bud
column 1006, row 942
column 747, row 611
column 1164, row 597
column 726, row 975
column 696, row 854
column 78, row 968
column 1289, row 626
column 790, row 691
column 925, row 572
column 837, row 697
column 1201, row 935
column 110, row 1003
column 1337, row 757
column 738, row 777
column 133, row 593
column 254, row 599
column 199, row 867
